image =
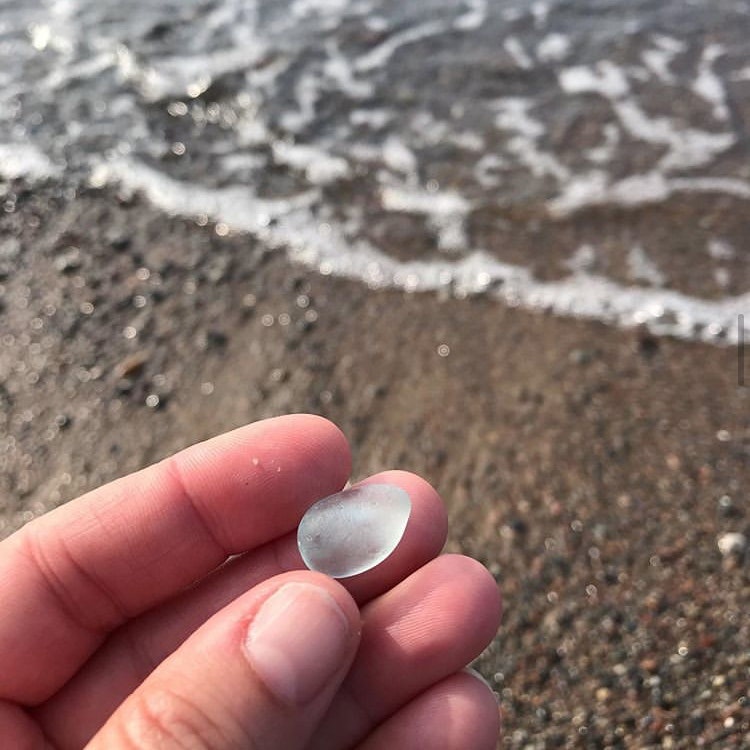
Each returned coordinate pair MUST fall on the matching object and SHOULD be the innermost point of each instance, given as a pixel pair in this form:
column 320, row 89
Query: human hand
column 125, row 614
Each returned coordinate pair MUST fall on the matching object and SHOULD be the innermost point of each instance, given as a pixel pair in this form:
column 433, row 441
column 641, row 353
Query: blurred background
column 501, row 244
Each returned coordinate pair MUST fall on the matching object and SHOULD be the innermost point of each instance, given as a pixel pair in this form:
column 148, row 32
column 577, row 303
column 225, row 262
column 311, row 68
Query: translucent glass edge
column 382, row 558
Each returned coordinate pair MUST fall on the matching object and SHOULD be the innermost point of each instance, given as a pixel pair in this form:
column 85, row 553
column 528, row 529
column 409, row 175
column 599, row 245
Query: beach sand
column 593, row 470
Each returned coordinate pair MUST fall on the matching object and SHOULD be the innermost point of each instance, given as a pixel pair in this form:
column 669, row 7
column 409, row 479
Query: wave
column 469, row 148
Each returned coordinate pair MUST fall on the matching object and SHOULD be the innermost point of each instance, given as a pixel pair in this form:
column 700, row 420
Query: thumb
column 260, row 673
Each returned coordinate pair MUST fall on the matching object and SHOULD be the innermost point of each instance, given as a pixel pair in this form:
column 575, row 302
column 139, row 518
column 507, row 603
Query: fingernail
column 474, row 673
column 297, row 641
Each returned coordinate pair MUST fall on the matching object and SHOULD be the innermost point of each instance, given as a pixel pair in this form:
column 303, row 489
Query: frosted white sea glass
column 354, row 530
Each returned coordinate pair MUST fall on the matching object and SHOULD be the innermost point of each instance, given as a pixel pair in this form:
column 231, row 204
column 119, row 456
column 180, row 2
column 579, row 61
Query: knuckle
column 161, row 718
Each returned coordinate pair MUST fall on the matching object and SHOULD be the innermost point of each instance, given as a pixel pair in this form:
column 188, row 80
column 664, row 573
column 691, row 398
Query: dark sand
column 592, row 470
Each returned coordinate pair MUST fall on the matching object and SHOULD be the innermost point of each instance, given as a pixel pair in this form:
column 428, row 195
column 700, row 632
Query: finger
column 18, row 729
column 131, row 653
column 459, row 713
column 88, row 566
column 259, row 674
column 415, row 635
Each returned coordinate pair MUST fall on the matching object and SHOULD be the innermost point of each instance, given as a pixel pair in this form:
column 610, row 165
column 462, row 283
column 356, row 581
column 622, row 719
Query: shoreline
column 587, row 466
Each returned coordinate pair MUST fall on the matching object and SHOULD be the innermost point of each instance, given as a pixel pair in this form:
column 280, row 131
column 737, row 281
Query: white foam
column 517, row 53
column 88, row 68
column 376, row 23
column 474, row 17
column 56, row 36
column 728, row 185
column 540, row 12
column 720, row 249
column 236, row 206
column 374, row 119
column 721, row 277
column 381, row 54
column 687, row 148
column 553, row 47
column 25, row 160
column 582, row 294
column 513, row 114
column 467, row 140
column 511, row 14
column 181, row 76
column 241, row 162
column 319, row 166
column 266, row 76
column 340, row 70
column 708, row 85
column 595, row 189
column 304, row 8
column 670, row 43
column 446, row 212
column 605, row 152
column 365, row 154
column 584, row 260
column 398, row 157
column 642, row 268
column 307, row 93
column 427, row 130
column 743, row 74
column 658, row 62
column 606, row 79
column 486, row 169
column 659, row 58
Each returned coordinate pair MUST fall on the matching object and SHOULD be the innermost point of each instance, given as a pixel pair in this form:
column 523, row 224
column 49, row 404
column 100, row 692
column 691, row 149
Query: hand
column 171, row 609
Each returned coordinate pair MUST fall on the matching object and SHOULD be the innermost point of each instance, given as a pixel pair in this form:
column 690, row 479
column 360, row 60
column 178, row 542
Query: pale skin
column 125, row 613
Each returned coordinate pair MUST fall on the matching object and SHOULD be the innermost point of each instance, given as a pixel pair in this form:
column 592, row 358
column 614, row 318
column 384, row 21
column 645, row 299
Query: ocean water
column 588, row 158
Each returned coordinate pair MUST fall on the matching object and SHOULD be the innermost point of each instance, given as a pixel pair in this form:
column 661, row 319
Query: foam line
column 582, row 294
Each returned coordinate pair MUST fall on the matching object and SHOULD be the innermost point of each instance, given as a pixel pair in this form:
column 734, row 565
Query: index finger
column 85, row 568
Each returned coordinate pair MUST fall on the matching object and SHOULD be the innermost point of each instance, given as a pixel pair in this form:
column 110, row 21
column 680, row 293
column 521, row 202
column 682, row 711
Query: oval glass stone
column 354, row 530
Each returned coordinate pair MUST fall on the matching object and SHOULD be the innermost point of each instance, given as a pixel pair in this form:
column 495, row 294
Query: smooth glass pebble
column 354, row 530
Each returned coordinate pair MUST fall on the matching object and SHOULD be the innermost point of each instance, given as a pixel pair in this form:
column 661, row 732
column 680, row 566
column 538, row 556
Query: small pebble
column 68, row 261
column 732, row 543
column 62, row 421
column 153, row 401
column 354, row 530
column 132, row 365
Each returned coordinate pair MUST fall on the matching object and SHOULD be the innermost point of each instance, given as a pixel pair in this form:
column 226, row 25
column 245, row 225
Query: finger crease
column 172, row 467
column 142, row 660
column 367, row 720
column 97, row 620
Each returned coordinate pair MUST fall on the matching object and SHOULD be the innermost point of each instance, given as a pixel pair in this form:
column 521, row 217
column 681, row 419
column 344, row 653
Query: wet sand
column 593, row 470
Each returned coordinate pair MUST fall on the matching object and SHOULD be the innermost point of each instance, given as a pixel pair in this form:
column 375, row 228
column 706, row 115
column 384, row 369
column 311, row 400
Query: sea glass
column 354, row 530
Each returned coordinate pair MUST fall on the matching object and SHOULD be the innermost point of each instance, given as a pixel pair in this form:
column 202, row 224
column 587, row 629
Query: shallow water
column 586, row 158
